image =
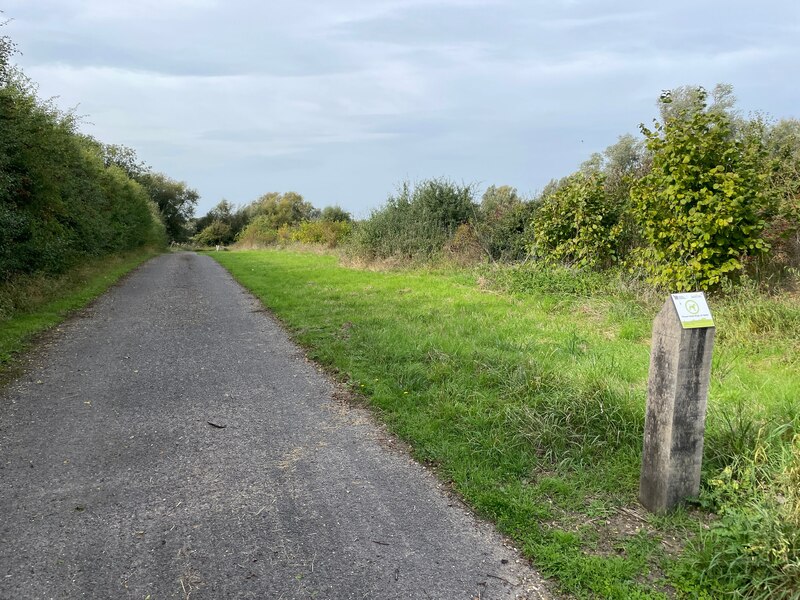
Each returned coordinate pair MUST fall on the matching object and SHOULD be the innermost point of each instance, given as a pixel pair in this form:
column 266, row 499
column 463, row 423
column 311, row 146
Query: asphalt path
column 171, row 442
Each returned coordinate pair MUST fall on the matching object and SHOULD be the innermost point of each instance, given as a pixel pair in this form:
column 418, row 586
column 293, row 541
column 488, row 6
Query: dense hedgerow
column 59, row 202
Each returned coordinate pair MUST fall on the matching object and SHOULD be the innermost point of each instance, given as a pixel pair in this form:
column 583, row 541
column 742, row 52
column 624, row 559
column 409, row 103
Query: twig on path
column 380, row 543
column 500, row 578
column 215, row 425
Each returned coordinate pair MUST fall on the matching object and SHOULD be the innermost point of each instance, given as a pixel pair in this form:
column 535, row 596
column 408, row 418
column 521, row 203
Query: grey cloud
column 342, row 100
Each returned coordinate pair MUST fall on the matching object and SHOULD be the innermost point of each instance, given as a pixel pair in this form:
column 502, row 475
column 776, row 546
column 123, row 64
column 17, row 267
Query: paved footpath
column 115, row 484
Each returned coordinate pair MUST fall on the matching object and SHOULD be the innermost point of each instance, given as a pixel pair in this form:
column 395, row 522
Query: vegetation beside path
column 32, row 304
column 525, row 388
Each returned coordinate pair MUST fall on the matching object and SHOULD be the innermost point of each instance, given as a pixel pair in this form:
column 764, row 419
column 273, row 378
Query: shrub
column 417, row 221
column 327, row 233
column 698, row 206
column 258, row 233
column 216, row 233
column 464, row 247
column 501, row 223
column 578, row 224
column 59, row 202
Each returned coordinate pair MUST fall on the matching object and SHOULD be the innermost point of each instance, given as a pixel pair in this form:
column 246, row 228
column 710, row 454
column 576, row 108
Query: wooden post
column 677, row 392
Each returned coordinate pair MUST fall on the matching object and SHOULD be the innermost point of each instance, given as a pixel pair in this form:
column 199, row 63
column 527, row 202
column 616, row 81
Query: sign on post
column 677, row 392
column 693, row 310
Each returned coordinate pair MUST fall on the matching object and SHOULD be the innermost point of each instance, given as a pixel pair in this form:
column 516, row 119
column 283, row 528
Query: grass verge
column 526, row 390
column 30, row 305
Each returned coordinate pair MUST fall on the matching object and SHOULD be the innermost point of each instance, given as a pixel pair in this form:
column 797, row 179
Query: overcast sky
column 342, row 100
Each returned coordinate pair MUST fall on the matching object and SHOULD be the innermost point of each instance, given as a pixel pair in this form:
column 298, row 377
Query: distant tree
column 216, row 233
column 782, row 209
column 223, row 211
column 500, row 199
column 682, row 102
column 335, row 214
column 621, row 165
column 283, row 209
column 621, row 162
column 175, row 200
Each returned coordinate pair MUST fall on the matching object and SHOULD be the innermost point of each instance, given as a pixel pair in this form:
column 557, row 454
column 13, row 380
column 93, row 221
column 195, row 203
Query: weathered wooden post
column 677, row 392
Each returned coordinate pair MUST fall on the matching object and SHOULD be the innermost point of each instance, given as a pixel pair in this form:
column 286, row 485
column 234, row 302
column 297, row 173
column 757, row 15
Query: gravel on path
column 171, row 442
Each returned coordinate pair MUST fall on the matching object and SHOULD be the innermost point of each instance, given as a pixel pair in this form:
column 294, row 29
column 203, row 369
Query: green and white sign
column 693, row 310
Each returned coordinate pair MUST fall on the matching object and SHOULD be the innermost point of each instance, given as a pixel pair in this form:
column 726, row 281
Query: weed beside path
column 531, row 402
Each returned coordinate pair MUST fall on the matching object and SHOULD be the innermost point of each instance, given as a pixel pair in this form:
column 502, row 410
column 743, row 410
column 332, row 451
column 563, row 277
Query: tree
column 782, row 209
column 335, row 214
column 698, row 206
column 175, row 200
column 7, row 49
column 621, row 164
column 682, row 102
column 216, row 233
column 125, row 158
column 283, row 209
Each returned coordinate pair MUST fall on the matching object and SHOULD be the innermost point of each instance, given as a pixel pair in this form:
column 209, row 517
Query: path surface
column 113, row 484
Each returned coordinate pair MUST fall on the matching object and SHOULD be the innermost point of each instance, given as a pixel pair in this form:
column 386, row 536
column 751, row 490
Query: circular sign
column 692, row 307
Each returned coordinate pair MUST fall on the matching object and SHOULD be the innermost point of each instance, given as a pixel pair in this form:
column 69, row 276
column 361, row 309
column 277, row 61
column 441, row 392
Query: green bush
column 782, row 209
column 698, row 207
column 258, row 233
column 578, row 224
column 501, row 223
column 417, row 221
column 216, row 233
column 327, row 233
column 59, row 202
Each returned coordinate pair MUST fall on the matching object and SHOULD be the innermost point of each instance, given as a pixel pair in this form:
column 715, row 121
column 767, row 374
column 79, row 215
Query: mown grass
column 30, row 305
column 526, row 390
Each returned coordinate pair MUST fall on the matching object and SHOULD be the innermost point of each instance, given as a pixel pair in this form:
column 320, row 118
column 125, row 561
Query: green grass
column 526, row 391
column 30, row 305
